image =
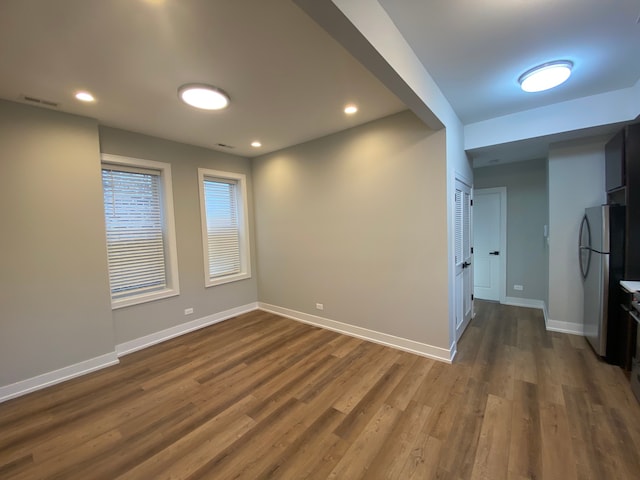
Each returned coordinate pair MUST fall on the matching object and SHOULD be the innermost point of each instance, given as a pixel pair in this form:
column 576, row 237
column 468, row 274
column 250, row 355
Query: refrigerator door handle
column 584, row 257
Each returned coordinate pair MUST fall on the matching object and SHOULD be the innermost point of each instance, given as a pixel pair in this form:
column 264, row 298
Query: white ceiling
column 476, row 50
column 287, row 78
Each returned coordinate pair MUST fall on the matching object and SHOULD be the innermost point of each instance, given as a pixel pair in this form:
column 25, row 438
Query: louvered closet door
column 463, row 257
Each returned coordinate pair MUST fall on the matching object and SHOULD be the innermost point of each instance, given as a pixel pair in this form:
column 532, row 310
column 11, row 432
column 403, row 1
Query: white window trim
column 171, row 257
column 243, row 220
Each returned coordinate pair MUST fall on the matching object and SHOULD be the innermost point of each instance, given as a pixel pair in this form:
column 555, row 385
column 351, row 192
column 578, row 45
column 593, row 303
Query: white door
column 487, row 239
column 462, row 247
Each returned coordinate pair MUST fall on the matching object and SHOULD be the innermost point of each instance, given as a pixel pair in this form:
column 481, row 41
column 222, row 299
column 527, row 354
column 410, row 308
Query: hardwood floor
column 261, row 396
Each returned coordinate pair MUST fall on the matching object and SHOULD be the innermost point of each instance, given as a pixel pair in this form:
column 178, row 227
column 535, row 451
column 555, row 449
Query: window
column 225, row 226
column 140, row 230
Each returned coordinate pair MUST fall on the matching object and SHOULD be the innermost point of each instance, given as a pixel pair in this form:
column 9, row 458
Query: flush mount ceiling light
column 202, row 96
column 85, row 96
column 256, row 144
column 350, row 109
column 545, row 76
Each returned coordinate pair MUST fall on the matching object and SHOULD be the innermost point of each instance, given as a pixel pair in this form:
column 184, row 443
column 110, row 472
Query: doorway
column 490, row 243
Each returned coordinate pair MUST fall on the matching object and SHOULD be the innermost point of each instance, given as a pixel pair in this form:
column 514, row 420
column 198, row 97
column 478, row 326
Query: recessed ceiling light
column 84, row 96
column 204, row 97
column 350, row 109
column 256, row 144
column 545, row 76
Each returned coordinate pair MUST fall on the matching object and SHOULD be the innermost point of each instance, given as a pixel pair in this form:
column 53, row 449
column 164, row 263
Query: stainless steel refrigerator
column 601, row 253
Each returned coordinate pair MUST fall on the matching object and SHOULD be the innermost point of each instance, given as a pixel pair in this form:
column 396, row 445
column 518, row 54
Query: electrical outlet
column 518, row 287
column 188, row 311
column 319, row 306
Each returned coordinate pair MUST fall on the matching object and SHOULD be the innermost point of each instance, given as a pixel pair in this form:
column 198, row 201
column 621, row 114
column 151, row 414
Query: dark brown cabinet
column 632, row 188
column 622, row 168
column 614, row 162
column 628, row 328
column 622, row 161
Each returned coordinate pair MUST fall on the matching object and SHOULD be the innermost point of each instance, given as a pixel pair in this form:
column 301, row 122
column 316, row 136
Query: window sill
column 228, row 279
column 143, row 298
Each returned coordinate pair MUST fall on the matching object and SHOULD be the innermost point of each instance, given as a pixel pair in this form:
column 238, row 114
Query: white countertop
column 630, row 286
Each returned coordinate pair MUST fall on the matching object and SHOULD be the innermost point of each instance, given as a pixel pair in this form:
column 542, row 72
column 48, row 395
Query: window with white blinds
column 140, row 240
column 224, row 226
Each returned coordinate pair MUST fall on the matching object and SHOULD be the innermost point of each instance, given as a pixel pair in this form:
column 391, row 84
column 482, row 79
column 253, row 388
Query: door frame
column 502, row 281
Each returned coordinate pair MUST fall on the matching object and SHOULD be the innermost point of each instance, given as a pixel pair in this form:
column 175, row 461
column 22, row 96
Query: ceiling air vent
column 40, row 101
column 224, row 145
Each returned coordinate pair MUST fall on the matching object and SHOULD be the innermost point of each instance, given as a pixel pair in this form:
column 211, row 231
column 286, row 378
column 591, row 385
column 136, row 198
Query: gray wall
column 527, row 213
column 55, row 309
column 54, row 292
column 144, row 319
column 358, row 221
column 576, row 181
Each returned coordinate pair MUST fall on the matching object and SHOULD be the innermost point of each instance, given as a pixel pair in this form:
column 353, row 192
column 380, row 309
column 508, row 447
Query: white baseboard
column 169, row 333
column 423, row 349
column 524, row 302
column 67, row 373
column 550, row 325
column 565, row 327
column 57, row 376
column 545, row 310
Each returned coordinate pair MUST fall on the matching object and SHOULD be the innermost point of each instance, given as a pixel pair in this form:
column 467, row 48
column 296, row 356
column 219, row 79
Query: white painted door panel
column 486, row 237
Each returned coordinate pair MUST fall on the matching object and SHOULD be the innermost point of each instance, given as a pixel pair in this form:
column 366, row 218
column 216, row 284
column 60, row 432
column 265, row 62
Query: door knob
column 496, row 252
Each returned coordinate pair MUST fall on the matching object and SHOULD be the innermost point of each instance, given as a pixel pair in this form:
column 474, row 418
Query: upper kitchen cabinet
column 622, row 154
column 614, row 162
column 622, row 161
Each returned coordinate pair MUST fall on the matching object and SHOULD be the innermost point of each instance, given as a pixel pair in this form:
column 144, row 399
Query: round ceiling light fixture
column 256, row 144
column 203, row 96
column 545, row 76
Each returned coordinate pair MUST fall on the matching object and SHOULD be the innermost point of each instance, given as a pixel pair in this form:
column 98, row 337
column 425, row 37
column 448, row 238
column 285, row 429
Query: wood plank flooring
column 260, row 396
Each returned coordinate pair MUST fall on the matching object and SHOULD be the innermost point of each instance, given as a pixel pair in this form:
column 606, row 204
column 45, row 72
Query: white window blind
column 223, row 227
column 135, row 230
